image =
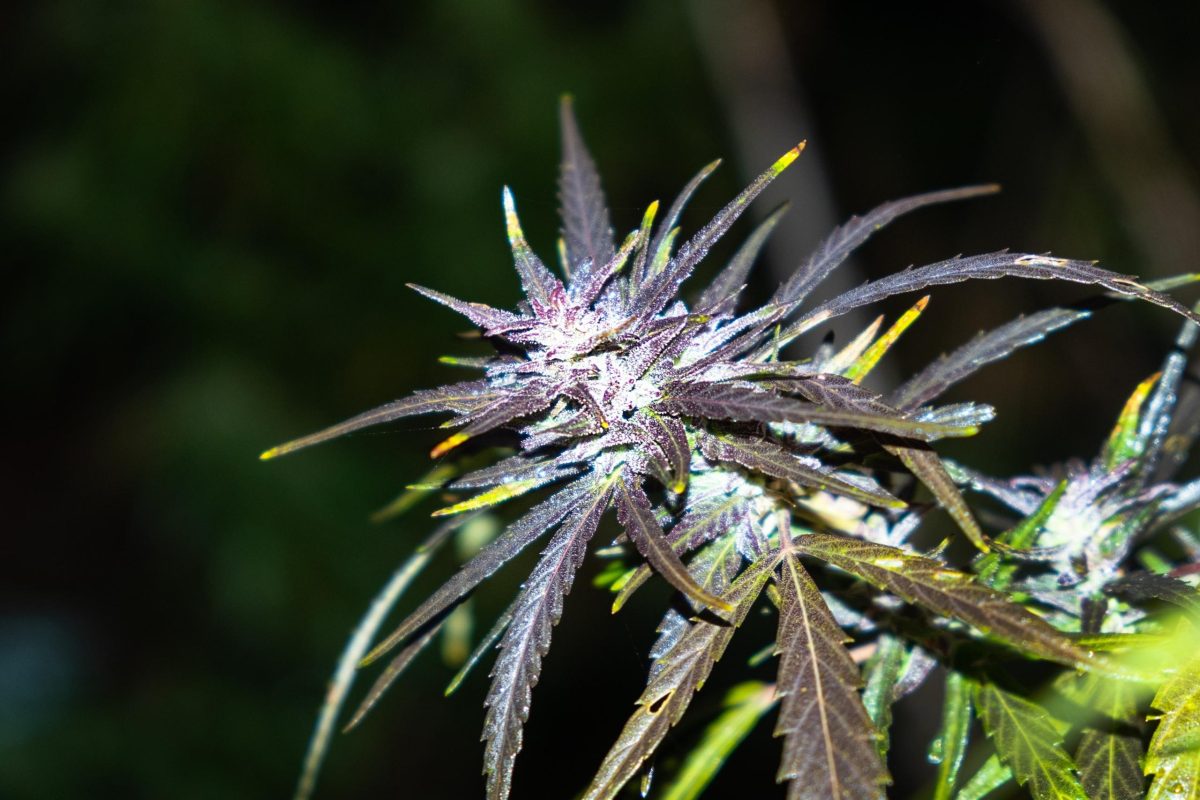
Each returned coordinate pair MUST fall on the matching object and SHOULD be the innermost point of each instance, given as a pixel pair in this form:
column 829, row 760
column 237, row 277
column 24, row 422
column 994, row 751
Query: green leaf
column 1173, row 757
column 1126, row 441
column 1110, row 751
column 745, row 705
column 489, row 639
column 990, row 777
column 829, row 746
column 992, row 569
column 951, row 743
column 1028, row 741
column 883, row 673
column 933, row 585
column 675, row 677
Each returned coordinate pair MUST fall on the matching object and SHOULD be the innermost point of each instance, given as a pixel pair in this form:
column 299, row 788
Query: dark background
column 210, row 210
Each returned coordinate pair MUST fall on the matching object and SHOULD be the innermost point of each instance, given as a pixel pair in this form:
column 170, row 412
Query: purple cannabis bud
column 724, row 459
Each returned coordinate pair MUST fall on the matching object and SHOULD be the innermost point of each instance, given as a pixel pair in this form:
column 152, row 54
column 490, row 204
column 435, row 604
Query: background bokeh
column 209, row 210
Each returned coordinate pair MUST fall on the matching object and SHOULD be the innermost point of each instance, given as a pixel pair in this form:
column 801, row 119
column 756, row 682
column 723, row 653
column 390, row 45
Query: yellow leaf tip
column 448, row 445
column 787, row 158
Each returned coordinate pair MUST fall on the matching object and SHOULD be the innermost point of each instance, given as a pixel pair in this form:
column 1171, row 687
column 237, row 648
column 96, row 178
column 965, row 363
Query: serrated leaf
column 714, row 568
column 982, row 267
column 1138, row 587
column 659, row 248
column 829, row 746
column 984, row 349
column 536, row 281
column 1109, row 752
column 636, row 515
column 1028, row 741
column 928, row 467
column 1173, row 757
column 488, row 641
column 459, row 397
column 492, row 320
column 883, row 674
column 744, row 404
column 764, row 457
column 1126, row 442
column 347, row 667
column 951, row 741
column 701, row 523
column 587, row 230
column 391, row 672
column 990, row 777
column 732, row 277
column 515, row 403
column 838, row 391
column 831, row 252
column 661, row 288
column 934, row 586
column 745, row 705
column 527, row 639
column 865, row 363
column 518, row 535
column 681, row 672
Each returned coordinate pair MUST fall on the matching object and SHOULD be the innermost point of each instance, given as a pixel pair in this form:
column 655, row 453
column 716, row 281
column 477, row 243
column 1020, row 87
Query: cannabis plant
column 747, row 477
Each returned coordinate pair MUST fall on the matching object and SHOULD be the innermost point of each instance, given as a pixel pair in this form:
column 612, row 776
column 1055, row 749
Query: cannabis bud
column 730, row 466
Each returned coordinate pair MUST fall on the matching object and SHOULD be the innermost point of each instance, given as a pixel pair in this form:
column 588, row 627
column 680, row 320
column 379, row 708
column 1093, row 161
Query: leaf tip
column 449, row 444
column 787, row 158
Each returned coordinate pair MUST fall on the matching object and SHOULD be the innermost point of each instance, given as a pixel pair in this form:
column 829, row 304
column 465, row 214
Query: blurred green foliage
column 210, row 212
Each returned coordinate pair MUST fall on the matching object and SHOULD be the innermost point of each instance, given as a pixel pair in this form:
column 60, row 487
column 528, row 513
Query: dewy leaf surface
column 1029, row 743
column 680, row 672
column 933, row 585
column 829, row 746
column 527, row 640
